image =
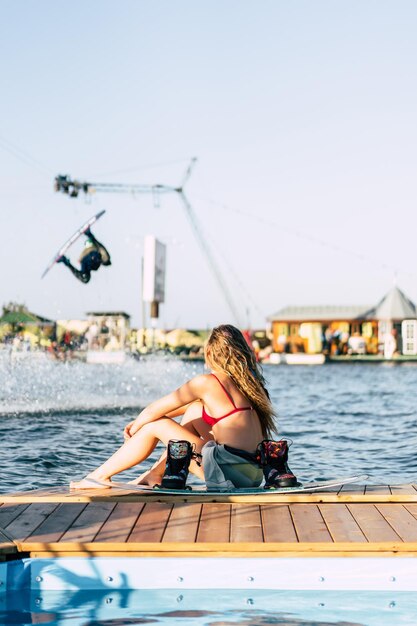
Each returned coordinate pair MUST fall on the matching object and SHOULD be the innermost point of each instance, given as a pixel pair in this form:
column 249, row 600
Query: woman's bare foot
column 90, row 482
column 149, row 478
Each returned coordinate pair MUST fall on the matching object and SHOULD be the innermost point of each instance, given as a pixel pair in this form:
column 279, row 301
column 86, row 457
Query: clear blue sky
column 302, row 114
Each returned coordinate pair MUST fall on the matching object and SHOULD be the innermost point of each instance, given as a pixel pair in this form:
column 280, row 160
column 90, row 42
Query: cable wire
column 316, row 240
column 23, row 156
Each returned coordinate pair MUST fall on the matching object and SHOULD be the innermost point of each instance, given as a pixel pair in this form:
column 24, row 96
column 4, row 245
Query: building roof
column 108, row 314
column 394, row 306
column 318, row 313
column 19, row 314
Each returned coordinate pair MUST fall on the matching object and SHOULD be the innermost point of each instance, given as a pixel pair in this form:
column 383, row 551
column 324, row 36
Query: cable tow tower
column 73, row 188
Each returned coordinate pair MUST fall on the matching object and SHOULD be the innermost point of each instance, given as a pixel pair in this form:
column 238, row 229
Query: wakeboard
column 197, row 490
column 73, row 239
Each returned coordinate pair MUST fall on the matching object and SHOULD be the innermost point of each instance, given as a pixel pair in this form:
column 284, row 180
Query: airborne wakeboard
column 73, row 239
column 197, row 490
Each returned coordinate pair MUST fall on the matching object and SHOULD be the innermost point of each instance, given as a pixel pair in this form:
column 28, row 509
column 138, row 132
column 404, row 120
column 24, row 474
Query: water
column 214, row 607
column 60, row 420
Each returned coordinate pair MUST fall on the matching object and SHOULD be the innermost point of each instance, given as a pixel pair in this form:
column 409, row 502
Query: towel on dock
column 224, row 470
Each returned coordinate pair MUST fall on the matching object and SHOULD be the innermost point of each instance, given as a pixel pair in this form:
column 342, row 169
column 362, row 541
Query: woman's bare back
column 237, row 423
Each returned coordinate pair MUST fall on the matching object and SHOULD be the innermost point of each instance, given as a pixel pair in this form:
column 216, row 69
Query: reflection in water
column 59, row 420
column 209, row 608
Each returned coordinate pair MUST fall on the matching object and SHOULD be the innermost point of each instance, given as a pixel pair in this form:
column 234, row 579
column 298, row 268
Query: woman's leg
column 193, row 423
column 138, row 448
column 153, row 476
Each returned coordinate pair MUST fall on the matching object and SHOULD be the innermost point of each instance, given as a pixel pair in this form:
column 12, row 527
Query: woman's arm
column 180, row 411
column 172, row 405
column 176, row 413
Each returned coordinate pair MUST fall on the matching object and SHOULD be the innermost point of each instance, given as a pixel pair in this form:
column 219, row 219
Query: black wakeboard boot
column 273, row 457
column 179, row 454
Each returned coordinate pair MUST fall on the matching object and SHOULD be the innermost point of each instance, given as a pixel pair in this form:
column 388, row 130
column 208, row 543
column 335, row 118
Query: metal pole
column 213, row 265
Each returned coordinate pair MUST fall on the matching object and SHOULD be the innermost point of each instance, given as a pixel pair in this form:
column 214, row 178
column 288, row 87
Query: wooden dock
column 355, row 521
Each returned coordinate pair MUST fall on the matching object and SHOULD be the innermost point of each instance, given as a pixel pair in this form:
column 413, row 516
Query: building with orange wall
column 329, row 329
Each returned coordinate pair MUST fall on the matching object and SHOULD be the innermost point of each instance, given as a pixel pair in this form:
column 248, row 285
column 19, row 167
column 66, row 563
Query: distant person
column 336, row 341
column 92, row 257
column 233, row 446
column 356, row 344
column 91, row 335
column 343, row 344
column 327, row 339
column 390, row 344
column 282, row 342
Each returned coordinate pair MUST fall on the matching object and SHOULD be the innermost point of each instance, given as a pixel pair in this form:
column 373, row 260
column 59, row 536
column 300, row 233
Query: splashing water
column 34, row 383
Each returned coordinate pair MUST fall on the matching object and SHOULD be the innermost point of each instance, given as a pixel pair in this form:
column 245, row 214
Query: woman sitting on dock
column 234, row 446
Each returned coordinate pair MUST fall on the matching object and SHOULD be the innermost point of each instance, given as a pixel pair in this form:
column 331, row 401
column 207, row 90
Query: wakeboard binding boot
column 179, row 455
column 63, row 259
column 273, row 458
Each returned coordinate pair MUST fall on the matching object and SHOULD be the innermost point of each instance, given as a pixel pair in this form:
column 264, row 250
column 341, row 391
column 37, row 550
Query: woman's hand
column 130, row 430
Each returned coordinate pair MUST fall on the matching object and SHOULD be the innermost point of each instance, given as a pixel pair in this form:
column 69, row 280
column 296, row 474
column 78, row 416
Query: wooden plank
column 377, row 489
column 33, row 515
column 215, row 522
column 139, row 553
column 9, row 512
column 277, row 523
column 340, row 523
column 309, row 523
column 5, row 538
column 57, row 523
column 7, row 545
column 89, row 522
column 373, row 525
column 412, row 508
column 352, row 489
column 402, row 489
column 162, row 549
column 151, row 523
column 246, row 523
column 402, row 521
column 183, row 523
column 120, row 523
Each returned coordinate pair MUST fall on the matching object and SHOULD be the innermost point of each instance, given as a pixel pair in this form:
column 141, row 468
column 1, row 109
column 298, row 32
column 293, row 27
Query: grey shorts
column 225, row 470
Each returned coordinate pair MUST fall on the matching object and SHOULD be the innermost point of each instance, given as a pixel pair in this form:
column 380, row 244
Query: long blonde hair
column 227, row 350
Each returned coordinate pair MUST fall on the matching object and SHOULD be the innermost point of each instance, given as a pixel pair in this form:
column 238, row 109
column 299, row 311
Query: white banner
column 154, row 262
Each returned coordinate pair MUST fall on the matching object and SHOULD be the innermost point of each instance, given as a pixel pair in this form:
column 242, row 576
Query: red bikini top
column 213, row 420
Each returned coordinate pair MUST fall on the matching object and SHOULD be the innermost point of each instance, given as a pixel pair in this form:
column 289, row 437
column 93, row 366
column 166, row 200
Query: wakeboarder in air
column 92, row 257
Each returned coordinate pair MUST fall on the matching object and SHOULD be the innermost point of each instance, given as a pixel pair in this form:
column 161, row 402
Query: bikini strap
column 224, row 389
